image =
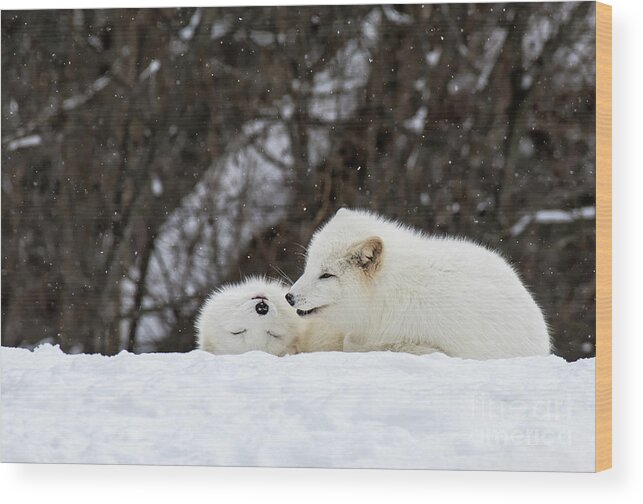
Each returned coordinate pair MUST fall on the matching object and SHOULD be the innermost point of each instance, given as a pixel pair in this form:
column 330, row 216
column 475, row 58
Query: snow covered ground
column 375, row 409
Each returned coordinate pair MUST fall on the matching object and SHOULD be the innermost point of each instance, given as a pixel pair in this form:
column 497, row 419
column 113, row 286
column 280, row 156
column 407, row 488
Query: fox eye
column 239, row 332
column 326, row 275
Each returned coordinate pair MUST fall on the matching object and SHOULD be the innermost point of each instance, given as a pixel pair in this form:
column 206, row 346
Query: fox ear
column 367, row 254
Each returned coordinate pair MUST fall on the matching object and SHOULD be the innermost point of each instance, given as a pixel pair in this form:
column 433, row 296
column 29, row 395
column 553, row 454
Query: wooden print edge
column 603, row 237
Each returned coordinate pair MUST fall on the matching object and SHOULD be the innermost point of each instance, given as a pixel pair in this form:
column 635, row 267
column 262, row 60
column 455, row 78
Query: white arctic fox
column 389, row 287
column 253, row 315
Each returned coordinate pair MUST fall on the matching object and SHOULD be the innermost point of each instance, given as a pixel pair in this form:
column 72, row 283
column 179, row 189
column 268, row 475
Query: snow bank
column 375, row 409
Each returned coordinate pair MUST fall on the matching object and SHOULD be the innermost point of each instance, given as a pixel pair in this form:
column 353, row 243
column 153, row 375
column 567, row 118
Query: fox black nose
column 262, row 308
column 291, row 299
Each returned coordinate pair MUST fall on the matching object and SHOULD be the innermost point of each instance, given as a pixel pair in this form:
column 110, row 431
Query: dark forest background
column 148, row 156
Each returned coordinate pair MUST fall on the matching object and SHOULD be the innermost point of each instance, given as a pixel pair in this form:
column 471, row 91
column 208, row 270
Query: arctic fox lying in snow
column 254, row 315
column 389, row 287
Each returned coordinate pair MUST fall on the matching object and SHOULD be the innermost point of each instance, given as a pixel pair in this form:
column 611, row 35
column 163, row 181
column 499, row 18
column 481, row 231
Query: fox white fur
column 229, row 322
column 389, row 287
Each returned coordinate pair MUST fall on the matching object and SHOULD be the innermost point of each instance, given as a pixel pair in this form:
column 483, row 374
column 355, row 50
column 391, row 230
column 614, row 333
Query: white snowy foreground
column 387, row 410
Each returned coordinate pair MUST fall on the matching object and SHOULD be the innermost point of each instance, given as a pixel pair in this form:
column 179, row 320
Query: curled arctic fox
column 389, row 287
column 253, row 315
